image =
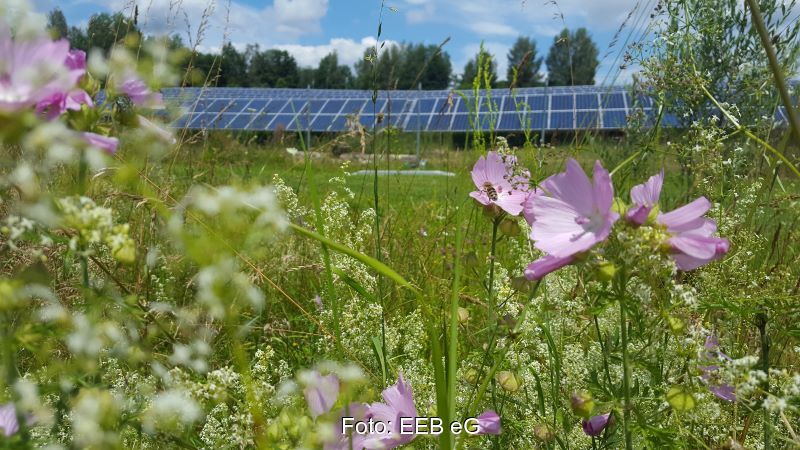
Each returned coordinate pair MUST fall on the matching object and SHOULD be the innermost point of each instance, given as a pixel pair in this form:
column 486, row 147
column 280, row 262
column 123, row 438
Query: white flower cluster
column 94, row 225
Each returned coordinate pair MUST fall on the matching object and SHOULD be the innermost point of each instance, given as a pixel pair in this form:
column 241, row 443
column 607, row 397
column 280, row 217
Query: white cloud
column 349, row 51
column 493, row 29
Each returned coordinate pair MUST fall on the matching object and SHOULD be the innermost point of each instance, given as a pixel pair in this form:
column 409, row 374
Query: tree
column 273, row 68
column 57, row 24
column 105, row 30
column 331, row 75
column 572, row 60
column 523, row 58
column 77, row 39
column 383, row 70
column 482, row 59
column 233, row 67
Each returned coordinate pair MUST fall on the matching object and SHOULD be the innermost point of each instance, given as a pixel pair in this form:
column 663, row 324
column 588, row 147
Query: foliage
column 524, row 63
column 572, row 59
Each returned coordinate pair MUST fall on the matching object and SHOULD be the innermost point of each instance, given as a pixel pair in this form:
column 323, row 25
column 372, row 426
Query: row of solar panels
column 586, row 107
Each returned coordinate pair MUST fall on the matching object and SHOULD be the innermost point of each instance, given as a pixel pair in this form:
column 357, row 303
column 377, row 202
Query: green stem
column 85, row 271
column 777, row 71
column 761, row 322
column 626, row 370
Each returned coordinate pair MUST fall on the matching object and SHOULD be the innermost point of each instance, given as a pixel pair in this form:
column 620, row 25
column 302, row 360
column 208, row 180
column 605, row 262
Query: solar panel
column 328, row 110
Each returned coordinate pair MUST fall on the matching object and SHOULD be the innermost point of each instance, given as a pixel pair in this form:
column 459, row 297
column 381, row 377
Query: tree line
column 571, row 60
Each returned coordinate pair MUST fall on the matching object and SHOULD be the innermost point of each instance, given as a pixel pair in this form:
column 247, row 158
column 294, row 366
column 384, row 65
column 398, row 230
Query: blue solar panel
column 562, row 102
column 333, row 107
column 586, row 101
column 614, row 119
column 561, row 121
column 562, row 108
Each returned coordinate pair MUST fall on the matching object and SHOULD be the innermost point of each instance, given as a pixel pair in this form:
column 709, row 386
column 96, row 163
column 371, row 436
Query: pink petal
column 322, row 394
column 489, row 423
column 685, row 213
column 603, row 190
column 573, row 187
column 544, row 265
column 638, row 214
column 512, row 202
column 556, row 231
column 694, row 246
column 109, row 144
column 647, row 194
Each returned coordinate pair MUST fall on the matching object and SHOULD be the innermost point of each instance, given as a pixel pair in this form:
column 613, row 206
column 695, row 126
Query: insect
column 490, row 191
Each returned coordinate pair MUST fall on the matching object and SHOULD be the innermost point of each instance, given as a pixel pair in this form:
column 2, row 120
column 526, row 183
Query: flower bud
column 543, row 432
column 676, row 325
column 471, row 376
column 605, row 271
column 471, row 260
column 520, row 283
column 509, row 227
column 463, row 315
column 582, row 404
column 508, row 381
column 619, row 206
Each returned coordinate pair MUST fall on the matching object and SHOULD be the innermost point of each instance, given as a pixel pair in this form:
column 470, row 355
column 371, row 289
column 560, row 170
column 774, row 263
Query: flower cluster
column 569, row 214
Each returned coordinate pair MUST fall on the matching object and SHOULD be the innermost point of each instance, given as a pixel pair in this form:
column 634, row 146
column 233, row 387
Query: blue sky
column 310, row 29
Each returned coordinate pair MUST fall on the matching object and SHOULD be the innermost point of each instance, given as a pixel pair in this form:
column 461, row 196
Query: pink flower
column 594, row 426
column 489, row 423
column 321, row 393
column 399, row 403
column 570, row 215
column 139, row 93
column 109, row 144
column 546, row 264
column 574, row 214
column 8, row 419
column 59, row 102
column 31, row 71
column 691, row 235
column 76, row 60
column 710, row 375
column 493, row 179
column 645, row 197
column 358, row 411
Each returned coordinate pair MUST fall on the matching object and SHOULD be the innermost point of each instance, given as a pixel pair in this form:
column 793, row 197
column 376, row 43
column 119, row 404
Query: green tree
column 273, row 68
column 386, row 68
column 104, row 30
column 77, row 38
column 57, row 24
column 331, row 75
column 572, row 60
column 523, row 58
column 233, row 67
column 471, row 70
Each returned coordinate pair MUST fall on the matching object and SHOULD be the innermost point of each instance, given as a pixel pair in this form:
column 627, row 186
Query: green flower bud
column 605, row 271
column 582, row 404
column 543, row 432
column 508, row 381
column 619, row 206
column 471, row 375
column 274, row 431
column 471, row 260
column 676, row 325
column 509, row 227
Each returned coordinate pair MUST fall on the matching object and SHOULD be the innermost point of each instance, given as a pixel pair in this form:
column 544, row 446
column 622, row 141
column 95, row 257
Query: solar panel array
column 325, row 110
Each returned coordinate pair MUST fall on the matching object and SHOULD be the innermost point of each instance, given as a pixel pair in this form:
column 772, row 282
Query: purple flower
column 710, row 375
column 109, row 144
column 691, row 235
column 8, row 419
column 59, row 102
column 31, row 71
column 594, row 426
column 645, row 197
column 318, row 302
column 358, row 411
column 546, row 264
column 138, row 92
column 321, row 393
column 398, row 403
column 572, row 214
column 76, row 60
column 492, row 177
column 489, row 423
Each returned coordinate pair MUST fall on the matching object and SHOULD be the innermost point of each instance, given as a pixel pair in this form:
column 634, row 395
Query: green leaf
column 380, row 267
column 680, row 399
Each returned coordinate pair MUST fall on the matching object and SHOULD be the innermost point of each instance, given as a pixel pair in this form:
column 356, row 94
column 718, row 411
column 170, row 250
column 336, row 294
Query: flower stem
column 626, row 370
column 761, row 323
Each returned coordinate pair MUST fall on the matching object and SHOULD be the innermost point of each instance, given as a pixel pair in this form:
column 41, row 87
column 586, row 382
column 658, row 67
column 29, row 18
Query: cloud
column 493, row 29
column 349, row 51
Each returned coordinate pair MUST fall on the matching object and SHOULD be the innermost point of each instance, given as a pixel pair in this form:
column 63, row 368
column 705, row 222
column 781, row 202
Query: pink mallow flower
column 32, row 70
column 571, row 215
column 712, row 354
column 8, row 419
column 139, row 93
column 489, row 423
column 398, row 403
column 321, row 392
column 109, row 144
column 59, row 102
column 691, row 235
column 594, row 426
column 492, row 176
column 645, row 198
